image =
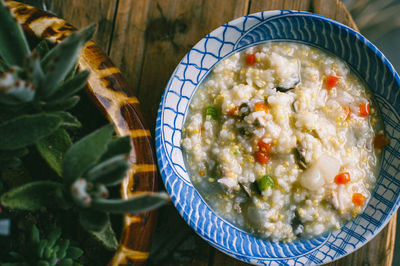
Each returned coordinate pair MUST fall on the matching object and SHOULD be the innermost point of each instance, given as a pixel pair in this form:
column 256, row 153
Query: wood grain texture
column 168, row 29
column 263, row 5
column 84, row 13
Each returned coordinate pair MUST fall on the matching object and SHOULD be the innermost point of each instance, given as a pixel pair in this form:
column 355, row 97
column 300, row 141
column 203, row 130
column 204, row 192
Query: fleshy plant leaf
column 71, row 86
column 35, row 195
column 25, row 130
column 13, row 45
column 106, row 237
column 117, row 146
column 59, row 62
column 85, row 153
column 93, row 220
column 110, row 172
column 68, row 120
column 53, row 147
column 74, row 252
column 59, row 105
column 138, row 203
column 42, row 48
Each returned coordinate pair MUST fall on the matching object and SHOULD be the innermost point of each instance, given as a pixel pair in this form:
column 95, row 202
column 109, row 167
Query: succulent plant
column 49, row 250
column 37, row 87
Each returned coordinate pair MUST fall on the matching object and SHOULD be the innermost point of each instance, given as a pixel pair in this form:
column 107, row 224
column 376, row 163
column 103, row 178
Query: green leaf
column 93, row 220
column 53, row 236
column 62, row 252
column 62, row 58
column 74, row 253
column 138, row 203
column 35, row 236
column 59, row 105
column 34, row 69
column 53, row 147
column 85, row 153
column 106, row 238
column 71, row 86
column 42, row 263
column 25, row 130
column 13, row 45
column 42, row 246
column 117, row 146
column 3, row 66
column 42, row 48
column 68, row 120
column 109, row 172
column 212, row 112
column 66, row 262
column 35, row 195
column 265, row 182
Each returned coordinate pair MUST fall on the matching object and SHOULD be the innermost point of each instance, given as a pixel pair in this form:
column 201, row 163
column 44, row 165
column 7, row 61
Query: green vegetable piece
column 35, row 195
column 265, row 182
column 59, row 62
column 212, row 112
column 85, row 153
column 74, row 253
column 52, row 149
column 106, row 237
column 93, row 220
column 13, row 45
column 25, row 130
column 138, row 203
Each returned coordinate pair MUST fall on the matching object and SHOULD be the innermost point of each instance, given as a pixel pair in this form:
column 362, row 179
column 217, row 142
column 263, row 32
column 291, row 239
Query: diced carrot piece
column 261, row 107
column 264, row 147
column 358, row 199
column 364, row 109
column 380, row 141
column 234, row 111
column 331, row 81
column 342, row 178
column 250, row 59
column 262, row 157
column 347, row 111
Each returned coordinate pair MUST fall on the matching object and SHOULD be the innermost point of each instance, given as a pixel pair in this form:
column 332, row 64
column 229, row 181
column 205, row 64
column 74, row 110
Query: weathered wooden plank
column 84, row 13
column 262, row 5
column 168, row 29
column 334, row 9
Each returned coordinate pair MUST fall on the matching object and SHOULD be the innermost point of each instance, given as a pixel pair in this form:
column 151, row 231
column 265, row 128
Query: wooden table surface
column 146, row 39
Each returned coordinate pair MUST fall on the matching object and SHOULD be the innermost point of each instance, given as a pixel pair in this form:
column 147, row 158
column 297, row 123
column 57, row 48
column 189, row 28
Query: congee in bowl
column 283, row 140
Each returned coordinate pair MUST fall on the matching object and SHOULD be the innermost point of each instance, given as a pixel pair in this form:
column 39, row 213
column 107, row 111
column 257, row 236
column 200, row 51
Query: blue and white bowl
column 315, row 30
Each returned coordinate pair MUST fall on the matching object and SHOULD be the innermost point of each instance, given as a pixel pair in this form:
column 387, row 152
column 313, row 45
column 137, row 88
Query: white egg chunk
column 312, row 179
column 329, row 167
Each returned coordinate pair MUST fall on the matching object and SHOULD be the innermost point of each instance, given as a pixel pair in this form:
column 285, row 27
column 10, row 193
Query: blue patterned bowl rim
column 283, row 25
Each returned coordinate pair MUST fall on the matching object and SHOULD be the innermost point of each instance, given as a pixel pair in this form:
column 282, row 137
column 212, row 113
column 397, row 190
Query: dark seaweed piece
column 246, row 189
column 296, row 223
column 299, row 154
column 244, row 110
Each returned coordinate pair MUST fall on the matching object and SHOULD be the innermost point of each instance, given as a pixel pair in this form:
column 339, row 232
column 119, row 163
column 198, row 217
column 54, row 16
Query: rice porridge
column 283, row 140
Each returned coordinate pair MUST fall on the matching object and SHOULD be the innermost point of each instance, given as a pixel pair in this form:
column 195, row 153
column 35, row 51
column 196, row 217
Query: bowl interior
column 363, row 57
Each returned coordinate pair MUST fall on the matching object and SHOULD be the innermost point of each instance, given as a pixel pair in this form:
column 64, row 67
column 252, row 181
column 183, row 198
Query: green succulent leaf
column 35, row 195
column 68, row 120
column 35, row 236
column 109, row 172
column 53, row 147
column 64, row 245
column 93, row 220
column 74, row 253
column 42, row 246
column 43, row 263
column 59, row 105
column 34, row 69
column 66, row 262
column 71, row 86
column 25, row 130
column 117, row 146
column 85, row 153
column 42, row 48
column 13, row 45
column 53, row 236
column 106, row 237
column 62, row 58
column 138, row 203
